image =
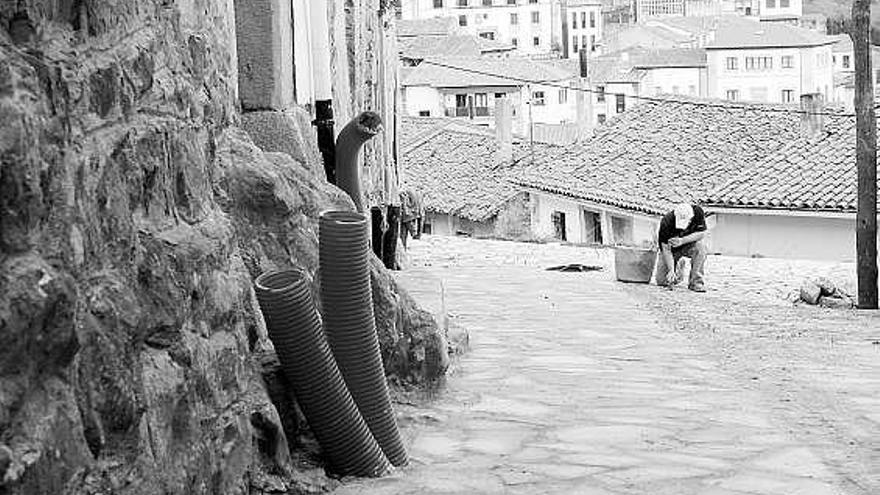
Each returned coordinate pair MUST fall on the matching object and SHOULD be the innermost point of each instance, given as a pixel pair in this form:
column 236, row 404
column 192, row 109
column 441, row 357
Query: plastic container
column 633, row 264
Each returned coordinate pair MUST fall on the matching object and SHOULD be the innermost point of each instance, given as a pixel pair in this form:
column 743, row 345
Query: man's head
column 683, row 215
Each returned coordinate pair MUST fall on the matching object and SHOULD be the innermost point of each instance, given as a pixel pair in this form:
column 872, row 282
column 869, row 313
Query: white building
column 768, row 62
column 582, row 26
column 781, row 10
column 534, row 26
column 432, row 90
column 620, row 78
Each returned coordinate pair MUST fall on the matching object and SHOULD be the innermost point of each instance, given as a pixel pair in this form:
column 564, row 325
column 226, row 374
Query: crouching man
column 681, row 236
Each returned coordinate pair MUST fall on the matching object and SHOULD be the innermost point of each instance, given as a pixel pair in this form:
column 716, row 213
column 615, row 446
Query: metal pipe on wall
column 322, row 80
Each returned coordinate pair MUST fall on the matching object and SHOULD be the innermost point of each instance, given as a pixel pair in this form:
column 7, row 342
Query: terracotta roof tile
column 810, row 173
column 659, row 153
column 453, row 165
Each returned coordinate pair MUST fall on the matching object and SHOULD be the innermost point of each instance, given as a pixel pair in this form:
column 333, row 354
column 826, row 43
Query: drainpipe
column 323, row 83
column 348, row 146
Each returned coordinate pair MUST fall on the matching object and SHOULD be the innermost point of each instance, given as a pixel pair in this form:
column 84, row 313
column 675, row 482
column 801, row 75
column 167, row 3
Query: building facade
column 582, row 27
column 533, row 26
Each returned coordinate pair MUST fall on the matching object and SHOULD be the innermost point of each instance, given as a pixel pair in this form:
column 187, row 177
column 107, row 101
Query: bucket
column 632, row 264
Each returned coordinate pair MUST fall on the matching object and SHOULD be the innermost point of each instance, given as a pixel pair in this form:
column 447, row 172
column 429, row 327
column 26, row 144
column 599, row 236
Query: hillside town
column 586, row 247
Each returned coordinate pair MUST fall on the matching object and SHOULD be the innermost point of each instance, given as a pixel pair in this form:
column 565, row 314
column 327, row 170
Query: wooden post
column 866, row 158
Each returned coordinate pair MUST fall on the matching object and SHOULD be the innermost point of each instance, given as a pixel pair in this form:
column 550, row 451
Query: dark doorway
column 558, row 219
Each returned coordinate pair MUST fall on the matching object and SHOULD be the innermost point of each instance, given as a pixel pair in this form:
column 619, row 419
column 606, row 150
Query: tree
column 866, row 157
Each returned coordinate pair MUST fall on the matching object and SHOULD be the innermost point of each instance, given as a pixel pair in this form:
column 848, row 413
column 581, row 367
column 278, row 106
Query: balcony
column 466, row 111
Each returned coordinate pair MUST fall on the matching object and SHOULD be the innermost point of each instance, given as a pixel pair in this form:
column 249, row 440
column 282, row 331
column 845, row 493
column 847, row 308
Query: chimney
column 812, row 120
column 504, row 131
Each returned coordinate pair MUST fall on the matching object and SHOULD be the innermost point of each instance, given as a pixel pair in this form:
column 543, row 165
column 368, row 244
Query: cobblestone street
column 577, row 384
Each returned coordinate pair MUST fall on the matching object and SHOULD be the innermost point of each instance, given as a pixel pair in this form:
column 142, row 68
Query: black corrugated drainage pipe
column 294, row 326
column 348, row 146
column 347, row 303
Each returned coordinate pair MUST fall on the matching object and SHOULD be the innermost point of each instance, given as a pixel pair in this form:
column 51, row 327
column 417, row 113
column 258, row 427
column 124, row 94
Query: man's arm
column 681, row 241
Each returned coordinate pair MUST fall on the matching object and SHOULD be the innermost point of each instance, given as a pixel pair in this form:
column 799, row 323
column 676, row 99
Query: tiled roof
column 421, row 47
column 427, row 74
column 453, row 166
column 660, row 153
column 435, row 26
column 815, row 173
column 741, row 33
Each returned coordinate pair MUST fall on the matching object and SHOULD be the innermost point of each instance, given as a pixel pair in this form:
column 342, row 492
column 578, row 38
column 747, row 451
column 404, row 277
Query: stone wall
column 134, row 215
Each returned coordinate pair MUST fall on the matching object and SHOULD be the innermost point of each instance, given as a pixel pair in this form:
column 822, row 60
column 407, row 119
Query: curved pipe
column 348, row 146
column 285, row 299
column 347, row 303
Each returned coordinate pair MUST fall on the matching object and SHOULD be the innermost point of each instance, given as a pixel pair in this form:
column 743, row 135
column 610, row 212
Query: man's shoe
column 697, row 288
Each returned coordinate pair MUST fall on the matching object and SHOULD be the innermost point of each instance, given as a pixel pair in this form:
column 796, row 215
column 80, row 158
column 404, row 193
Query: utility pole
column 866, row 158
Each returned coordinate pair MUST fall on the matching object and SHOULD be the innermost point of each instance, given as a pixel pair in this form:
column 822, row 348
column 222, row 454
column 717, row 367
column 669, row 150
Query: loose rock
column 810, row 292
column 836, row 302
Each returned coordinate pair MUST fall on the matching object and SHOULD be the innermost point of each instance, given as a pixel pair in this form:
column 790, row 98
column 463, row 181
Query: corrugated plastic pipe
column 347, row 303
column 294, row 326
column 348, row 146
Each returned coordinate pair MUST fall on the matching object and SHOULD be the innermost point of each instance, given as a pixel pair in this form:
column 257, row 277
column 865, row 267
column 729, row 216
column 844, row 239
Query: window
column 601, row 118
column 514, row 19
column 583, row 19
column 533, row 1
column 846, row 61
column 787, row 95
column 584, row 41
column 563, row 96
column 481, row 100
column 692, row 90
column 759, row 63
column 621, row 103
column 771, row 4
column 784, row 4
column 438, row 4
column 462, row 3
column 536, row 41
column 487, row 3
column 732, row 63
column 592, row 42
column 574, row 43
column 424, row 113
column 658, row 90
column 488, row 35
column 600, row 96
column 558, row 220
column 574, row 20
column 498, row 96
column 758, row 93
column 787, row 61
column 511, row 2
column 536, row 17
column 462, row 20
column 538, row 98
column 514, row 41
column 733, row 94
column 675, row 90
column 592, row 19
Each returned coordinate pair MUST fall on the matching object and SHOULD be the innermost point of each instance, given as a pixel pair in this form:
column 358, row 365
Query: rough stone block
column 265, row 54
column 810, row 292
column 836, row 302
column 828, row 287
column 288, row 132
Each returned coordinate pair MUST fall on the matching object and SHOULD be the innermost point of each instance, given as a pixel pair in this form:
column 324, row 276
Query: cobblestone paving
column 577, row 384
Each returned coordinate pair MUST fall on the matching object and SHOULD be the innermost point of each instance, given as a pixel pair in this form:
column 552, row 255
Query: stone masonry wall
column 134, row 215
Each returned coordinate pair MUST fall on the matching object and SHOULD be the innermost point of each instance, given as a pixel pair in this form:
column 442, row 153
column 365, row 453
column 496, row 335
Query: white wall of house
column 810, row 71
column 521, row 23
column 785, row 236
column 550, row 105
column 616, row 226
column 691, row 81
column 607, row 106
column 787, row 8
column 583, row 20
column 419, row 100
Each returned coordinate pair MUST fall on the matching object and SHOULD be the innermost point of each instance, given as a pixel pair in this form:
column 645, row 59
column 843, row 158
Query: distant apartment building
column 582, row 26
column 533, row 26
column 844, row 61
column 775, row 62
column 619, row 80
column 466, row 88
column 781, row 10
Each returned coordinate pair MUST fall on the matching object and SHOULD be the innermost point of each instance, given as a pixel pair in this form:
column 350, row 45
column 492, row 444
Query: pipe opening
column 344, row 217
column 281, row 281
